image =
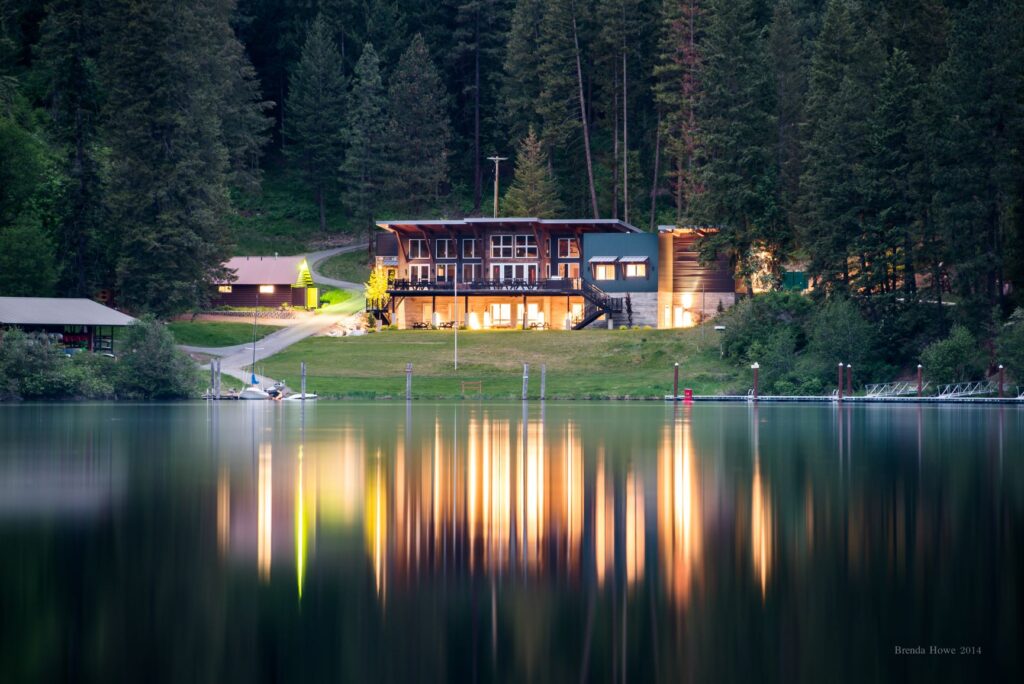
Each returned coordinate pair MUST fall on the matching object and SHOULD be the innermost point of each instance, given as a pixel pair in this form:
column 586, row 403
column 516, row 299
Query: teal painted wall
column 620, row 245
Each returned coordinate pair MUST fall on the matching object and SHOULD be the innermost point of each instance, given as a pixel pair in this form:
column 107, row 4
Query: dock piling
column 839, row 383
column 526, row 379
column 849, row 380
column 920, row 386
column 756, row 367
column 543, row 380
column 303, row 379
column 1002, row 377
column 675, row 382
column 408, row 381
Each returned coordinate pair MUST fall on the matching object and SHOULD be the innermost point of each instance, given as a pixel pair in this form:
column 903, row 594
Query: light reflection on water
column 607, row 541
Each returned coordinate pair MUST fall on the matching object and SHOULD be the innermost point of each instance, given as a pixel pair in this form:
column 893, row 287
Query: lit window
column 568, row 248
column 636, row 270
column 419, row 272
column 604, row 271
column 266, row 289
column 224, row 288
column 469, row 248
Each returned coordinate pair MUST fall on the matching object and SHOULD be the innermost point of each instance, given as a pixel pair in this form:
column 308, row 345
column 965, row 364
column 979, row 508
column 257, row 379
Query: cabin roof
column 59, row 311
column 265, row 270
column 439, row 226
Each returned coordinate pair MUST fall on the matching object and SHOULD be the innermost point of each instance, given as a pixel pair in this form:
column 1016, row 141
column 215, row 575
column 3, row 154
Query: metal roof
column 607, row 224
column 603, row 259
column 633, row 259
column 265, row 270
column 57, row 311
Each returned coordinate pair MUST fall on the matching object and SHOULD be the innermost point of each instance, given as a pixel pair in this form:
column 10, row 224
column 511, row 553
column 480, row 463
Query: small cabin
column 267, row 281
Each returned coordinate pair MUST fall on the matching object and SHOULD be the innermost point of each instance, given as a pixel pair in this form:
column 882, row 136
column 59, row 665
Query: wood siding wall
column 248, row 295
column 688, row 275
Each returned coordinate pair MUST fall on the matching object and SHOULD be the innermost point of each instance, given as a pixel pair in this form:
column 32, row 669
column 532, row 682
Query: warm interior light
column 668, row 317
column 487, row 319
column 473, row 321
column 687, row 319
column 677, row 321
column 266, row 289
column 687, row 300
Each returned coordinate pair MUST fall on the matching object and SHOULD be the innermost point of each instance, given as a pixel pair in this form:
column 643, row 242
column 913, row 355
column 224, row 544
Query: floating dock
column 829, row 399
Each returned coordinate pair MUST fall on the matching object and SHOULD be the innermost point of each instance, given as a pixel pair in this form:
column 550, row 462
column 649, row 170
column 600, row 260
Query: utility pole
column 497, row 160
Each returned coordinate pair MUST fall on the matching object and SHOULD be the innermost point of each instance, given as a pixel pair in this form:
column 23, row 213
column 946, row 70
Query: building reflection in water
column 503, row 498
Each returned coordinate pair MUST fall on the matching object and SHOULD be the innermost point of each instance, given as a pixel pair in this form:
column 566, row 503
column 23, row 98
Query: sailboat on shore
column 254, row 391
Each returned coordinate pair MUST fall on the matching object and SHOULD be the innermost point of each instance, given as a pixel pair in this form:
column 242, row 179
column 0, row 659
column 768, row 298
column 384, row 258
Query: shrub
column 152, row 368
column 905, row 325
column 32, row 368
column 837, row 331
column 954, row 359
column 758, row 318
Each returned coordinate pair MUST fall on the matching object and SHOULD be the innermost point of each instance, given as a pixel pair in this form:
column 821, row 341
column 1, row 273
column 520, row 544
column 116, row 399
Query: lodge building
column 545, row 274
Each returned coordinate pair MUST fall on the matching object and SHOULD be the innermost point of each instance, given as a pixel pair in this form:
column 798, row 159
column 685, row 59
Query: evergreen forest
column 876, row 145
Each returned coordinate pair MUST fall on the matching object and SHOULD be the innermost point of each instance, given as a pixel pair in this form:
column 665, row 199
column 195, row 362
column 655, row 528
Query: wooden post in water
column 213, row 379
column 675, row 382
column 303, row 379
column 408, row 381
column 218, row 378
column 544, row 380
column 1002, row 377
column 839, row 383
column 920, row 387
column 526, row 379
column 756, row 367
column 849, row 380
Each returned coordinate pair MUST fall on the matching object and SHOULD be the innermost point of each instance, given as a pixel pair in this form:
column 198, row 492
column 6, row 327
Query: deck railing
column 567, row 285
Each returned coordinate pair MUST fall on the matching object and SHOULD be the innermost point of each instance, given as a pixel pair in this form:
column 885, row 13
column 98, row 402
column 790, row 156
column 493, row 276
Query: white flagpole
column 455, row 310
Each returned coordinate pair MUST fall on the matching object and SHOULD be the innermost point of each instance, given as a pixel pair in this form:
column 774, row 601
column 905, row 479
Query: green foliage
column 758, row 318
column 837, row 331
column 419, row 134
column 954, row 359
column 533, row 192
column 364, row 169
column 316, row 113
column 1010, row 345
column 353, row 267
column 216, row 333
column 376, row 287
column 150, row 367
column 332, row 297
column 32, row 368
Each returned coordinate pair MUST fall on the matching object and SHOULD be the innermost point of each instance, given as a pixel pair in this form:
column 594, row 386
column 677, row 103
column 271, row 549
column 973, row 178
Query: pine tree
column 67, row 57
column 522, row 70
column 845, row 70
column 419, row 134
column 790, row 80
column 316, row 111
column 533, row 191
column 739, row 176
column 678, row 93
column 170, row 164
column 365, row 127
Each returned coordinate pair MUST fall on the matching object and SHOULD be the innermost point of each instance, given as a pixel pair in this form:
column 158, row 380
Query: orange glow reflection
column 265, row 512
column 680, row 513
column 761, row 529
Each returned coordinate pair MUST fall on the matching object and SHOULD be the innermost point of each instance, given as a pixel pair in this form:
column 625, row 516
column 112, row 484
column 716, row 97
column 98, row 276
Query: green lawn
column 215, row 333
column 580, row 364
column 352, row 266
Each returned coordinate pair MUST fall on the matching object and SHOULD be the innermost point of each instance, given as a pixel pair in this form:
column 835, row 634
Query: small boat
column 300, row 397
column 253, row 392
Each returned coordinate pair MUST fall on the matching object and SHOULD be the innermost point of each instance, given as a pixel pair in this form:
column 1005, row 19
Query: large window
column 501, row 315
column 635, row 270
column 471, row 248
column 501, row 246
column 445, row 249
column 512, row 272
column 526, row 247
column 604, row 271
column 569, row 270
column 419, row 272
column 470, row 272
column 568, row 248
column 226, row 289
column 418, row 249
column 266, row 289
column 445, row 273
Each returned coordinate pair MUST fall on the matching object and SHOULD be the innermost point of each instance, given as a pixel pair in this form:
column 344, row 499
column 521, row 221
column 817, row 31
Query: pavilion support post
column 524, row 314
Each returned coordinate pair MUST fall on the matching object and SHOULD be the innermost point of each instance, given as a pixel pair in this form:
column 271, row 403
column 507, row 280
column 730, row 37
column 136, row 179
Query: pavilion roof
column 59, row 311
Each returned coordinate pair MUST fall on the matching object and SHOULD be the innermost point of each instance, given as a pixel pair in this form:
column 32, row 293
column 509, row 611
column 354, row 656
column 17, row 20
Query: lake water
column 574, row 541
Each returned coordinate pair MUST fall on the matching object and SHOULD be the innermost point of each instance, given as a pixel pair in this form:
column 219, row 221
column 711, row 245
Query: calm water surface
column 569, row 542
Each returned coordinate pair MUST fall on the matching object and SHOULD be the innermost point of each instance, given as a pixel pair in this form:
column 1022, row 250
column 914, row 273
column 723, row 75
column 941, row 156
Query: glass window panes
column 604, row 271
column 501, row 246
column 526, row 247
column 568, row 248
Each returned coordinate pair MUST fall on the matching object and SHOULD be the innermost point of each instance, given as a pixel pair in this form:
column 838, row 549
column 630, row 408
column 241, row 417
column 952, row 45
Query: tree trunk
column 583, row 117
column 657, row 163
column 625, row 139
column 615, row 145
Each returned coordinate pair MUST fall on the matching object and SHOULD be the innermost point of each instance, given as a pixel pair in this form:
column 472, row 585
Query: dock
column 831, row 399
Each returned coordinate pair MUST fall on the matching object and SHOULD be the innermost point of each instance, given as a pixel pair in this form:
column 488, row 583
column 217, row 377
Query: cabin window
column 636, row 270
column 501, row 246
column 419, row 272
column 568, row 248
column 446, row 249
column 418, row 249
column 526, row 247
column 470, row 248
column 501, row 314
column 266, row 289
column 445, row 273
column 604, row 271
column 226, row 289
column 569, row 270
column 470, row 272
